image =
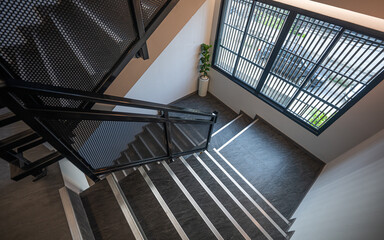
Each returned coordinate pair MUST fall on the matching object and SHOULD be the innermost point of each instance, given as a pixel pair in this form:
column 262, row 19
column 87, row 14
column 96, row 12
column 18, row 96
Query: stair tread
column 18, row 139
column 243, row 220
column 43, row 162
column 73, row 202
column 264, row 222
column 245, row 186
column 142, row 150
column 151, row 143
column 104, row 214
column 226, row 134
column 12, row 129
column 209, row 207
column 152, row 218
column 180, row 206
column 8, row 118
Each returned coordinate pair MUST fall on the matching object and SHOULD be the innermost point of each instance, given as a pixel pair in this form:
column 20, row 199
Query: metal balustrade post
column 213, row 119
column 168, row 134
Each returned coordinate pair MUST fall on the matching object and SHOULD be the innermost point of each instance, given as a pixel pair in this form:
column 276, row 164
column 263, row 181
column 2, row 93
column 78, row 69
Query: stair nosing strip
column 163, row 204
column 73, row 224
column 238, row 203
column 192, row 201
column 237, row 135
column 215, row 199
column 157, row 141
column 247, row 195
column 222, row 128
column 123, row 204
column 138, row 154
column 146, row 146
column 198, row 133
column 251, row 186
column 185, row 135
column 226, row 125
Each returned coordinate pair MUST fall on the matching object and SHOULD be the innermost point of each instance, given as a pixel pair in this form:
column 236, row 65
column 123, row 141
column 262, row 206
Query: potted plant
column 204, row 69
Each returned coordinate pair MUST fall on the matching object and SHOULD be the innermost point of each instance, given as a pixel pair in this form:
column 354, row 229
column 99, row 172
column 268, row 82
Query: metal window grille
column 264, row 28
column 311, row 69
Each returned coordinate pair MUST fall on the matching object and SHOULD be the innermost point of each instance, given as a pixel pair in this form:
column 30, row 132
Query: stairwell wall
column 363, row 120
column 346, row 201
column 177, row 45
column 174, row 74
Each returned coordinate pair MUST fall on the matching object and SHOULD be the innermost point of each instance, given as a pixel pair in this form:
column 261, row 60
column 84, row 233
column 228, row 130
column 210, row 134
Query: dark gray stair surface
column 104, row 214
column 180, row 140
column 155, row 146
column 209, row 103
column 141, row 149
column 195, row 133
column 276, row 166
column 32, row 210
column 206, row 203
column 222, row 137
column 152, row 218
column 243, row 184
column 7, row 117
column 132, row 154
column 182, row 209
column 264, row 222
column 80, row 215
column 252, row 231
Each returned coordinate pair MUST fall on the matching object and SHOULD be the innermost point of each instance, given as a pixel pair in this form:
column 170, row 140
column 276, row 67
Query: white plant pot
column 203, row 86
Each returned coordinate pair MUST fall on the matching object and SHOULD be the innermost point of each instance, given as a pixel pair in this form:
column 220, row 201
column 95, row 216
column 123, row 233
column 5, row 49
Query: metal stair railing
column 100, row 137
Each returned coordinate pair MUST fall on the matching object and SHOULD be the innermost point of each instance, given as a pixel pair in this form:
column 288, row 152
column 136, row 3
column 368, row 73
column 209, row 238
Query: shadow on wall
column 347, row 200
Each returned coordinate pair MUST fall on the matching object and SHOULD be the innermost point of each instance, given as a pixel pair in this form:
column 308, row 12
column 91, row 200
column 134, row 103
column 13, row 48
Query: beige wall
column 346, row 11
column 159, row 40
column 370, row 7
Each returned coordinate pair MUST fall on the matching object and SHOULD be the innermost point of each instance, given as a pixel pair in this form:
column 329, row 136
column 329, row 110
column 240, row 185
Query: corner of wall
column 158, row 41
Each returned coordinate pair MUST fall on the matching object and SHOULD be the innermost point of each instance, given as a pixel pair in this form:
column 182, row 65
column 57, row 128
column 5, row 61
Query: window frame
column 283, row 34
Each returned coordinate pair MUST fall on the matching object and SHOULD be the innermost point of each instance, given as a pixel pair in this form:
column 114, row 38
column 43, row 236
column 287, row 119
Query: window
column 310, row 67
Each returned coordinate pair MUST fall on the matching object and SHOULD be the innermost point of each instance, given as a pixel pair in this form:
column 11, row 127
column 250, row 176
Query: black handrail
column 38, row 115
column 50, row 91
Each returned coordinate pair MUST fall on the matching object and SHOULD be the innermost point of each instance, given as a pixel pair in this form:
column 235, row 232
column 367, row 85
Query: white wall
column 363, row 120
column 174, row 73
column 73, row 178
column 347, row 200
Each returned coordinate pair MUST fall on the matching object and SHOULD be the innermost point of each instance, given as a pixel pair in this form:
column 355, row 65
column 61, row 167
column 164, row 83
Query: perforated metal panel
column 150, row 8
column 72, row 44
column 99, row 143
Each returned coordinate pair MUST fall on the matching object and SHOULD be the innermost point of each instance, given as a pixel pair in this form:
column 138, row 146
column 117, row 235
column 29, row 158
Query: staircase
column 198, row 196
column 150, row 181
column 16, row 139
column 71, row 45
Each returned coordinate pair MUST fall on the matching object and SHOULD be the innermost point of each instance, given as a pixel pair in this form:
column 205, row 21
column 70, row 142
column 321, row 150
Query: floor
column 272, row 162
column 31, row 210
